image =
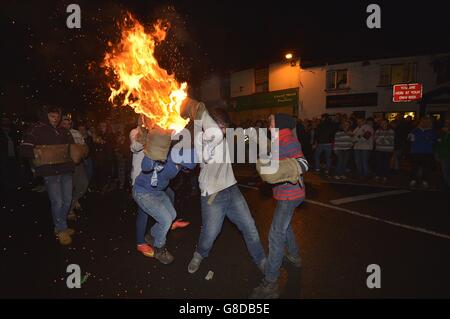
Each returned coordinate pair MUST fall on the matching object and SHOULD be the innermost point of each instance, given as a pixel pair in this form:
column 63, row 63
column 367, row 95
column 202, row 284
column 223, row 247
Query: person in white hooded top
column 363, row 145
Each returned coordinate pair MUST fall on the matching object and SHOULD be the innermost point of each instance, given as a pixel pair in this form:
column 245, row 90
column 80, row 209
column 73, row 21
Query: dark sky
column 45, row 62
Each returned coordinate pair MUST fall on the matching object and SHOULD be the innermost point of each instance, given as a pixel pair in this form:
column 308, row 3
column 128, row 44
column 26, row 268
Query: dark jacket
column 325, row 132
column 43, row 133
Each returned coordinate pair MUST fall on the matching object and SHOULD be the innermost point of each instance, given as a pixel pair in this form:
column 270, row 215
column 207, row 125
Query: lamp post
column 290, row 58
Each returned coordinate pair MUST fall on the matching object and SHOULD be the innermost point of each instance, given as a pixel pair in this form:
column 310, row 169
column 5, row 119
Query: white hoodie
column 361, row 142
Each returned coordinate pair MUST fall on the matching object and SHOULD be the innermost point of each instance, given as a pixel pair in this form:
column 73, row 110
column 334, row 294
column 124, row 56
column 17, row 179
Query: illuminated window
column 337, row 79
column 412, row 114
column 391, row 74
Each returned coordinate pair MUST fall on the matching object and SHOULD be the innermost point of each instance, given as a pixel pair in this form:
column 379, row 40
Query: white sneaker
column 337, row 177
column 343, row 177
column 425, row 184
column 412, row 183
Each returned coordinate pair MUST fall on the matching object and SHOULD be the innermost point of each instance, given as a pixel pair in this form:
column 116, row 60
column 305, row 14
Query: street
column 406, row 233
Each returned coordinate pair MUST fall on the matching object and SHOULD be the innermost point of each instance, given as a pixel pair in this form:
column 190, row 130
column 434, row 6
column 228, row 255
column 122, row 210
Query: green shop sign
column 280, row 98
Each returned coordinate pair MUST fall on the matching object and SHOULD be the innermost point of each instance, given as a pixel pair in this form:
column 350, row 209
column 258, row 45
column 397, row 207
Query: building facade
column 361, row 87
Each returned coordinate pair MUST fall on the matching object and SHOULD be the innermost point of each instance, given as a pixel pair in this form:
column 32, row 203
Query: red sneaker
column 146, row 250
column 179, row 223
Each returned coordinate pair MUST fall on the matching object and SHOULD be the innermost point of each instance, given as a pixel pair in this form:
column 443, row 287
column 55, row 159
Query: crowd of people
column 70, row 159
column 343, row 146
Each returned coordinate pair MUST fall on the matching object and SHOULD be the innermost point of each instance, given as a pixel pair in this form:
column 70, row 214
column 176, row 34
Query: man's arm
column 135, row 146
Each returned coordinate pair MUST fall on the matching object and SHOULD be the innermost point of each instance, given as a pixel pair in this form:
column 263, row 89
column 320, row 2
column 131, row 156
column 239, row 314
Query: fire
column 142, row 83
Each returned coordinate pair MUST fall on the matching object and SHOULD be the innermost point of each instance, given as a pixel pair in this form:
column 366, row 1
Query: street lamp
column 290, row 58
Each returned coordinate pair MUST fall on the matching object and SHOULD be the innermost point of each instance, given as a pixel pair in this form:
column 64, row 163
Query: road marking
column 351, row 199
column 418, row 229
column 347, row 182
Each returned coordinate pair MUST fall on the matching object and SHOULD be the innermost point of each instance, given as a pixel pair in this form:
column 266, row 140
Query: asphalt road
column 407, row 235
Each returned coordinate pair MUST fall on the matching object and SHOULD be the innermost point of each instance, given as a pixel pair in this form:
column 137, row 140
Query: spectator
column 8, row 156
column 422, row 140
column 384, row 146
column 343, row 143
column 324, row 138
column 363, row 138
column 88, row 164
column 402, row 128
column 79, row 178
column 47, row 144
column 443, row 153
column 103, row 157
column 304, row 137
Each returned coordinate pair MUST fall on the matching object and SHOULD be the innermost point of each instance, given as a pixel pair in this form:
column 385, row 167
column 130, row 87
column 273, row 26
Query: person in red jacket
column 47, row 146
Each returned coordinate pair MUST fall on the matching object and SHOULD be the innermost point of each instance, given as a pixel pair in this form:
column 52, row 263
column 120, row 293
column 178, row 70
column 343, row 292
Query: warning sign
column 407, row 92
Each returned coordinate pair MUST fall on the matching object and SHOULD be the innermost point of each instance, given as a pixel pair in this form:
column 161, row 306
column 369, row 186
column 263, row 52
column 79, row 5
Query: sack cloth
column 288, row 171
column 78, row 152
column 192, row 109
column 157, row 144
column 51, row 154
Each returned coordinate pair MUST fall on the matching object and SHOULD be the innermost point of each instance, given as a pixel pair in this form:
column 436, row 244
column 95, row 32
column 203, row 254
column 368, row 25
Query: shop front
column 259, row 106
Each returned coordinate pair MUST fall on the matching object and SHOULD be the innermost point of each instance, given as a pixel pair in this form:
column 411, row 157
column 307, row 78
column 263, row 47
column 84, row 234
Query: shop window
column 337, row 79
column 391, row 74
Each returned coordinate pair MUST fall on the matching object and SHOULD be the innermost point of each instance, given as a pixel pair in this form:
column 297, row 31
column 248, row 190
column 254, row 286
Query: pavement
column 341, row 229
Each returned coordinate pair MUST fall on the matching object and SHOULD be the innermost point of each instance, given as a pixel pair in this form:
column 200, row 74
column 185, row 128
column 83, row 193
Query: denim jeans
column 230, row 203
column 59, row 189
column 342, row 161
column 159, row 205
column 362, row 161
column 382, row 160
column 323, row 148
column 281, row 236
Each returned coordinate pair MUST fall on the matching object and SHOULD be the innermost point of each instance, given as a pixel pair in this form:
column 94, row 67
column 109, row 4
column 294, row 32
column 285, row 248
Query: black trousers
column 422, row 162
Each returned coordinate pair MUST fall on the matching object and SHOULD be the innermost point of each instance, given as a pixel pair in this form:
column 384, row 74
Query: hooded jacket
column 43, row 133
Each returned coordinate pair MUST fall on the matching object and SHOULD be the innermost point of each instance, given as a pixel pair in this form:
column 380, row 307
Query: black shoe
column 163, row 255
column 266, row 290
column 149, row 239
column 293, row 260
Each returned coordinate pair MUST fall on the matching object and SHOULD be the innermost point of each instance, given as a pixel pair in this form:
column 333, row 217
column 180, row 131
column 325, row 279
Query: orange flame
column 143, row 84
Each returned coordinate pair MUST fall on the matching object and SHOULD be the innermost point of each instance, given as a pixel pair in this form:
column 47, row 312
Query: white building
column 365, row 87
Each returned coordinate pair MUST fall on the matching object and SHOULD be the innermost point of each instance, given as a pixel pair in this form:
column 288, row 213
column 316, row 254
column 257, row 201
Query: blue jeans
column 159, row 205
column 342, row 161
column 362, row 161
column 281, row 236
column 230, row 203
column 59, row 189
column 323, row 148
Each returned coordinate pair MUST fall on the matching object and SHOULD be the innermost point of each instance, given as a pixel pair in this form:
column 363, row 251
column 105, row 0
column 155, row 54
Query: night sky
column 45, row 62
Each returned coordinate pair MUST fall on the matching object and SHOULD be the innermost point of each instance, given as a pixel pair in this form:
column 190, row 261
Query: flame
column 143, row 84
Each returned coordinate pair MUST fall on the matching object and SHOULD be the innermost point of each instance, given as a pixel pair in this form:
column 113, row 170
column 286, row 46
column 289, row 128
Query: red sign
column 407, row 92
